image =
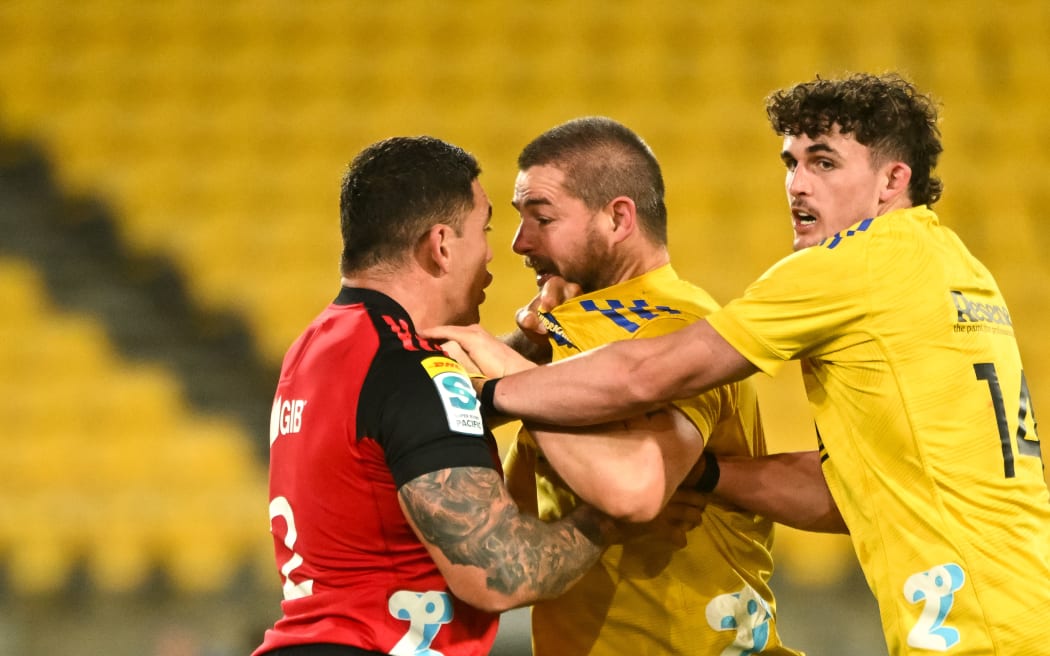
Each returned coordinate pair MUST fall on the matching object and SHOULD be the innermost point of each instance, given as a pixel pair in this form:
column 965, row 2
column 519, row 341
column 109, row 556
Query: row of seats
column 324, row 24
column 104, row 467
column 219, row 132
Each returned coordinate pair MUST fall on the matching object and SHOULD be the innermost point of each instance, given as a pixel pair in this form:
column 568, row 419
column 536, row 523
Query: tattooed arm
column 494, row 557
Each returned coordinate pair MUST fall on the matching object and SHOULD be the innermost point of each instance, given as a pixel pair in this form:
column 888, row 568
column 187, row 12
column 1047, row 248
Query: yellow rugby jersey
column 921, row 405
column 647, row 596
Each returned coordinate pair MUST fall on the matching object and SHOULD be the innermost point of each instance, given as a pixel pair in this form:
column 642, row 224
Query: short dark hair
column 603, row 159
column 395, row 190
column 884, row 112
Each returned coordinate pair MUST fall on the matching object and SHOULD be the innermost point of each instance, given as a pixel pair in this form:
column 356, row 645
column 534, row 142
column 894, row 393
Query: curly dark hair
column 884, row 112
column 397, row 189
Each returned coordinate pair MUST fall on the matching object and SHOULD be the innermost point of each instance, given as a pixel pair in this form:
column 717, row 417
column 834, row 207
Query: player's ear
column 434, row 250
column 897, row 176
column 623, row 215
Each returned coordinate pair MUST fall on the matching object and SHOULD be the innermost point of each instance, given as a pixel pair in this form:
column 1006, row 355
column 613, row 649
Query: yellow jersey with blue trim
column 648, row 596
column 924, row 417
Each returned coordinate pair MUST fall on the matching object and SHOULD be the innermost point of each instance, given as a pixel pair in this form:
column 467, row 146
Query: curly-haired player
column 927, row 439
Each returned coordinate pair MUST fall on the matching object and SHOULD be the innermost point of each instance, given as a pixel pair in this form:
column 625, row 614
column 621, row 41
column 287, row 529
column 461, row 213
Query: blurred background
column 169, row 178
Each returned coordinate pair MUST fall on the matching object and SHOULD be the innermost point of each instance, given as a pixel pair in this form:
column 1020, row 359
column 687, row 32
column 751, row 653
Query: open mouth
column 543, row 273
column 542, row 277
column 803, row 218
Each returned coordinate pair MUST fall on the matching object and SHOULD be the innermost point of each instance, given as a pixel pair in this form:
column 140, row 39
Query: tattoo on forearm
column 466, row 513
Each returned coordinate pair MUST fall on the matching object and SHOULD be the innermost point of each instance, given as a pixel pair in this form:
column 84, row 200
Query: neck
column 411, row 292
column 901, row 202
column 642, row 260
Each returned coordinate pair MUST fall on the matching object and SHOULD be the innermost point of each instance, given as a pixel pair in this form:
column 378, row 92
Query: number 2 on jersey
column 1026, row 446
column 280, row 507
column 936, row 588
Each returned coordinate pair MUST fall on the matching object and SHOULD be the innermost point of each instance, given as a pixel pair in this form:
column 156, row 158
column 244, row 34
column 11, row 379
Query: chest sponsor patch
column 457, row 395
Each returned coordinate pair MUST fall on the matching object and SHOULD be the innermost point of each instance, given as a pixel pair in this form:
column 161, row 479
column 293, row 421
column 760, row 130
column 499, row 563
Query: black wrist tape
column 488, row 395
column 709, row 479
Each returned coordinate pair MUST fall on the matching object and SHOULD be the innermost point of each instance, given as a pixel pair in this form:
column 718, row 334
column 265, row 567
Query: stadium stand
column 101, row 452
column 214, row 136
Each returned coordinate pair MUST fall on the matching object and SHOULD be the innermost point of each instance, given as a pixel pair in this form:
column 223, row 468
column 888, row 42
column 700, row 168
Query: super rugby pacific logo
column 457, row 395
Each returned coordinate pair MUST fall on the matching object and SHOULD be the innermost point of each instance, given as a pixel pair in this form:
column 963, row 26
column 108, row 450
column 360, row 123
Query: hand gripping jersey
column 915, row 380
column 648, row 596
column 364, row 406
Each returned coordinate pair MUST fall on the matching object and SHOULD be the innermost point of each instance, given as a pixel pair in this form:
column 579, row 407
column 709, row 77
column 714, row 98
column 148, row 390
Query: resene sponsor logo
column 969, row 310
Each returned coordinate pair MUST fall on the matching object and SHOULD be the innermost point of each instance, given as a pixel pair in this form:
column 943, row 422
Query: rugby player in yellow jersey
column 927, row 436
column 590, row 196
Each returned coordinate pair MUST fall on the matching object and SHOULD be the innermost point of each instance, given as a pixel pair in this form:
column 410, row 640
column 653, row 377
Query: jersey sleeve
column 422, row 410
column 795, row 309
column 704, row 410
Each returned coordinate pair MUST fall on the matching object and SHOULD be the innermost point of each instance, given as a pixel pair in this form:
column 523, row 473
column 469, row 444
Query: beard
column 589, row 268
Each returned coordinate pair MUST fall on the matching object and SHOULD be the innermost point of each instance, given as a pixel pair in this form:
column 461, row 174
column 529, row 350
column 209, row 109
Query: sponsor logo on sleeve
column 972, row 315
column 457, row 395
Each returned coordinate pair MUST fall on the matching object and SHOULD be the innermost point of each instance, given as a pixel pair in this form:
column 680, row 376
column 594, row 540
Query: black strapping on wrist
column 488, row 397
column 709, row 479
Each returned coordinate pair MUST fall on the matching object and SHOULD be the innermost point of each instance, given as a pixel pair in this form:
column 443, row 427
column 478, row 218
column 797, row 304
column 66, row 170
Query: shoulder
column 830, row 260
column 401, row 361
column 358, row 310
column 845, row 237
column 668, row 322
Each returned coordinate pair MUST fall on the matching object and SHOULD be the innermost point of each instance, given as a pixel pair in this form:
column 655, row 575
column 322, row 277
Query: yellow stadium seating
column 100, row 452
column 219, row 132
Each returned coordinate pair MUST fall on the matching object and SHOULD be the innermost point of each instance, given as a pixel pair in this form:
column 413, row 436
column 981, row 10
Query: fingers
column 678, row 536
column 529, row 323
column 488, row 355
column 659, row 530
column 555, row 291
column 528, row 320
column 683, row 516
column 687, row 496
column 456, row 352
